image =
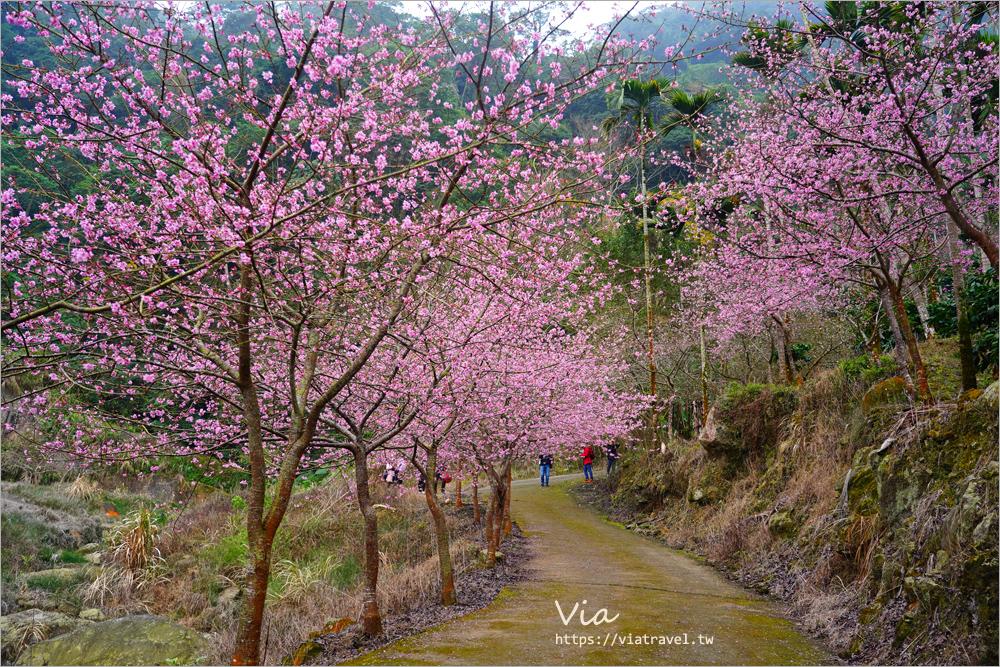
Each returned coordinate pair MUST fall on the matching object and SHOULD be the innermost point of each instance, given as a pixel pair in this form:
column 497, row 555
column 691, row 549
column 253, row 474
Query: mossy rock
column 133, row 640
column 990, row 397
column 15, row 628
column 886, row 392
column 93, row 615
column 908, row 626
column 59, row 574
column 305, row 652
column 783, row 525
column 862, row 492
column 718, row 437
column 924, row 590
column 332, row 626
column 747, row 419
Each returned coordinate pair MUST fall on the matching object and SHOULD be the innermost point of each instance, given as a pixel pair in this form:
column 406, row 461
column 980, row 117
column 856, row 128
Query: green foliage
column 982, row 292
column 238, row 503
column 867, row 369
column 688, row 109
column 71, row 556
column 229, row 552
column 312, row 478
column 987, row 351
column 800, row 351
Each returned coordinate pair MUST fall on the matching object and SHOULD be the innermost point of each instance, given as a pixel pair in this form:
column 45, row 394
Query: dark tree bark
column 506, row 507
column 923, row 388
column 475, row 497
column 371, row 620
column 965, row 352
column 448, row 594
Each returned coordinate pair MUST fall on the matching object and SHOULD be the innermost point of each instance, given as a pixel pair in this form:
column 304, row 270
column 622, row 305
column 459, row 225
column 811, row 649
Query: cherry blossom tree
column 267, row 212
column 870, row 136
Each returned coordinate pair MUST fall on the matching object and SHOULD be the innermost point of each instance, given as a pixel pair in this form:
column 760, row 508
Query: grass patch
column 58, row 584
column 347, row 573
column 71, row 556
column 230, row 552
column 27, row 544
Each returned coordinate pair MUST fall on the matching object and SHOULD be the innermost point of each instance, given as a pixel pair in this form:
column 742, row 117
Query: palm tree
column 634, row 101
column 688, row 111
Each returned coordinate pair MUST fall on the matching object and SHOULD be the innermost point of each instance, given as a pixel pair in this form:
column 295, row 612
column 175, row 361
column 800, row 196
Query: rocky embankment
column 875, row 520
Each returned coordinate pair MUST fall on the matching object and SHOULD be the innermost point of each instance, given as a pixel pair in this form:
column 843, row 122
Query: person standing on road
column 545, row 465
column 612, row 458
column 588, row 459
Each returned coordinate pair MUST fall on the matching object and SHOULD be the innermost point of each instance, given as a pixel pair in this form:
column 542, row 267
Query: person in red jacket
column 588, row 459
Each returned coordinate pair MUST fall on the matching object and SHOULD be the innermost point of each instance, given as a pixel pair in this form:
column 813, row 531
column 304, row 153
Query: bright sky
column 592, row 13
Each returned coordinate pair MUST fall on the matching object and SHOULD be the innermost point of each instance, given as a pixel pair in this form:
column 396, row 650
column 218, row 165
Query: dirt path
column 654, row 591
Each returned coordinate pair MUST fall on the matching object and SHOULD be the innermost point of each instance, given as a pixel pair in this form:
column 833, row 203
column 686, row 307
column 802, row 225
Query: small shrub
column 124, row 587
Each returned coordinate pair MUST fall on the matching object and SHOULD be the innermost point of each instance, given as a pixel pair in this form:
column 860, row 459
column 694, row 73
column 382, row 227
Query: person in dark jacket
column 421, row 483
column 588, row 459
column 612, row 458
column 545, row 465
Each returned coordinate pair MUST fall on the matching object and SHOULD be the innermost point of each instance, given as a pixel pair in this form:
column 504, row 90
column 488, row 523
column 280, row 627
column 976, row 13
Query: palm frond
column 688, row 109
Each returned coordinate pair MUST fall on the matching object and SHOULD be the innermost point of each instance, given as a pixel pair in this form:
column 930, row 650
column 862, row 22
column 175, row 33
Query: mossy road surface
column 582, row 560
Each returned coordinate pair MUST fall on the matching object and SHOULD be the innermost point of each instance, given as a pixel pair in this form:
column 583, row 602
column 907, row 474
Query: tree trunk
column 704, row 378
column 964, row 335
column 475, row 497
column 779, row 342
column 649, row 287
column 251, row 617
column 911, row 344
column 925, row 317
column 897, row 337
column 371, row 621
column 786, row 361
column 448, row 596
column 670, row 422
column 491, row 554
column 259, row 538
column 506, row 507
column 458, row 494
column 495, row 516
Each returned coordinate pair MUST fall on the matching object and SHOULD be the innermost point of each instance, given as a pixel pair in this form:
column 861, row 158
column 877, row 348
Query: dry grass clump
column 135, row 568
column 22, row 638
column 131, row 542
column 82, row 488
